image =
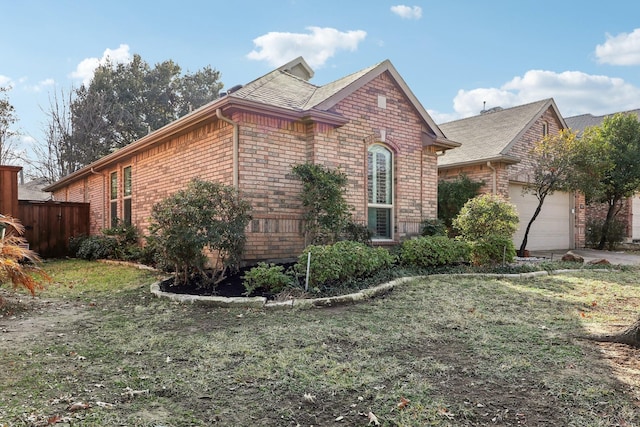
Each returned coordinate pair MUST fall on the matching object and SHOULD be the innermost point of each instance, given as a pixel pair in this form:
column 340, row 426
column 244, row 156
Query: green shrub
column 204, row 216
column 433, row 251
column 486, row 215
column 615, row 235
column 341, row 261
column 97, row 247
column 492, row 249
column 433, row 227
column 452, row 195
column 357, row 233
column 269, row 277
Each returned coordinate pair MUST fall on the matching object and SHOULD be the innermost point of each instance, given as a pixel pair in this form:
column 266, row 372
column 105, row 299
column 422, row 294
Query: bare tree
column 7, row 131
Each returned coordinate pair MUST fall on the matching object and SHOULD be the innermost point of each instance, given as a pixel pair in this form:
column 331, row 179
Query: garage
column 553, row 229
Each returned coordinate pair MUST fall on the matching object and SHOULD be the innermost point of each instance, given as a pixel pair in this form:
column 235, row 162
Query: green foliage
column 452, row 195
column 342, row 261
column 433, row 251
column 615, row 234
column 356, row 233
column 96, row 247
column 326, row 211
column 492, row 249
column 486, row 215
column 269, row 277
column 119, row 242
column 433, row 227
column 204, row 216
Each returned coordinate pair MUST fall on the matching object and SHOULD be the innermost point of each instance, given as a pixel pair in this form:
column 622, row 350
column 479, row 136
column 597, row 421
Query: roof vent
column 299, row 68
column 491, row 110
column 234, row 89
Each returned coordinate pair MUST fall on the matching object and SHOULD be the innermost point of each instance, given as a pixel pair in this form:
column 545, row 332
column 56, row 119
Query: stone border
column 307, row 303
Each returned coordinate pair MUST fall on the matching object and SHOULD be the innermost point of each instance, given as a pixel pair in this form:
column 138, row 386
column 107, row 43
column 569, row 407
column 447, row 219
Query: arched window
column 380, row 192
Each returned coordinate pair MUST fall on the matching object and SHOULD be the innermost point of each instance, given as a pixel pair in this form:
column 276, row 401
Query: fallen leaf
column 445, row 413
column 373, row 419
column 340, row 418
column 54, row 419
column 403, row 403
column 105, row 405
column 594, row 303
column 77, row 406
column 309, row 398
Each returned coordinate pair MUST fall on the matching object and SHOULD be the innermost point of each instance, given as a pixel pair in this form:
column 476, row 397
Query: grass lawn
column 95, row 348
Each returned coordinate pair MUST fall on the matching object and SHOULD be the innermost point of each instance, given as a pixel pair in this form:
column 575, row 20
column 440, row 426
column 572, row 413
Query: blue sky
column 454, row 55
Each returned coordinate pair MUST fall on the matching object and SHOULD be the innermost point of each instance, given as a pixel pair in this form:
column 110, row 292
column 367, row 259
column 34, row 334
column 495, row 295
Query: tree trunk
column 607, row 223
column 629, row 336
column 525, row 239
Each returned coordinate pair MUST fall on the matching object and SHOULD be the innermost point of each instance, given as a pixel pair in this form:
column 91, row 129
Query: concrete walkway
column 614, row 257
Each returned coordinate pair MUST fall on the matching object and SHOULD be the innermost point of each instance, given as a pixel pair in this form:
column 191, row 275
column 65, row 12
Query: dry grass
column 461, row 351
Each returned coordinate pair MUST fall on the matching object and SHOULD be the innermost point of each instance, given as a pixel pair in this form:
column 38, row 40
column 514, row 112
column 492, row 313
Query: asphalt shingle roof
column 583, row 121
column 489, row 135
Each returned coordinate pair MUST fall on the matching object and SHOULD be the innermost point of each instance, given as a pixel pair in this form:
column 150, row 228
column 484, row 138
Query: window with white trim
column 113, row 198
column 380, row 192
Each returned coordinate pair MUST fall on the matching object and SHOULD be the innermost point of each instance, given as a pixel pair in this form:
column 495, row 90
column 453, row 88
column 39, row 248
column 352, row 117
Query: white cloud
column 316, row 47
column 85, row 69
column 407, row 12
column 5, row 81
column 575, row 93
column 40, row 86
column 623, row 49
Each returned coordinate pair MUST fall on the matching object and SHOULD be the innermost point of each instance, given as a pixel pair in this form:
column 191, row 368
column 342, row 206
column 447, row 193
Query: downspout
column 104, row 211
column 236, row 144
column 495, row 178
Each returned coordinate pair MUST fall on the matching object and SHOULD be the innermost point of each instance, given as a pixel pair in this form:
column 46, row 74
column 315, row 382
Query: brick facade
column 269, row 145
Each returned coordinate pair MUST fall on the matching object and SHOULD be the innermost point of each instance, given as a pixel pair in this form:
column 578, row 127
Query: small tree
column 452, row 195
column 204, row 216
column 619, row 138
column 327, row 213
column 553, row 169
column 18, row 265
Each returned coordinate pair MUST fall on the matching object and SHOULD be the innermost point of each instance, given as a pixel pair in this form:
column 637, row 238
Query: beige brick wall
column 269, row 147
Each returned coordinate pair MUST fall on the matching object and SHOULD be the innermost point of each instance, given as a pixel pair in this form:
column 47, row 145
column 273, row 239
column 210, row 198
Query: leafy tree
column 18, row 265
column 555, row 168
column 452, row 195
column 206, row 218
column 327, row 212
column 7, row 120
column 619, row 139
column 121, row 104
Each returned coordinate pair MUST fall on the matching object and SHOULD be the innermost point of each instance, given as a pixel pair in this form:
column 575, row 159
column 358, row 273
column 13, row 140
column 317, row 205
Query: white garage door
column 552, row 229
column 635, row 211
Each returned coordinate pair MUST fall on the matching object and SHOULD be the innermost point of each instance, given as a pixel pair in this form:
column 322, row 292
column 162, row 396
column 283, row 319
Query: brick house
column 629, row 212
column 495, row 149
column 369, row 124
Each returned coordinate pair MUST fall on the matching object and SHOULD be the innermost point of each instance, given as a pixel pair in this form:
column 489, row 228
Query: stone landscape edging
column 306, row 303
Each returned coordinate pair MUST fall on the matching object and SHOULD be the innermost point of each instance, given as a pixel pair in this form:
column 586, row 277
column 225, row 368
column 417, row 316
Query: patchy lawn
column 447, row 350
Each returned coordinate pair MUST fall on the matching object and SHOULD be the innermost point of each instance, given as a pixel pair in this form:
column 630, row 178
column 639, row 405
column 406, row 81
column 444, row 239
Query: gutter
column 236, row 145
column 495, row 178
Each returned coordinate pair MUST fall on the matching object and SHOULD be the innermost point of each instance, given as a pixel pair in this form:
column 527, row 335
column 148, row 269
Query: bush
column 357, row 233
column 433, row 251
column 433, row 227
column 341, row 261
column 452, row 195
column 486, row 215
column 615, row 235
column 97, row 247
column 492, row 249
column 204, row 216
column 268, row 277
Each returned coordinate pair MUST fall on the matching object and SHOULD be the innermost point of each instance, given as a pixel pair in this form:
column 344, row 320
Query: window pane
column 127, row 211
column 126, row 178
column 114, row 185
column 380, row 222
column 114, row 213
column 379, row 174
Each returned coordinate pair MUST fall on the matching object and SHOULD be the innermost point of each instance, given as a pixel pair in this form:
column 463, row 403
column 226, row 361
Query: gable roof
column 490, row 136
column 583, row 121
column 285, row 92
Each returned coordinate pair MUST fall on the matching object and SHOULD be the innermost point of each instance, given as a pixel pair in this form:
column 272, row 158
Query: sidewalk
column 614, row 257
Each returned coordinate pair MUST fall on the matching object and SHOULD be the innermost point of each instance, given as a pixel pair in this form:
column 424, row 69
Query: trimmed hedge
column 433, row 251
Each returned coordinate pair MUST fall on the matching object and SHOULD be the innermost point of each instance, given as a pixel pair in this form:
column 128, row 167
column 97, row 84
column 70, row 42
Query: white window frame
column 388, row 206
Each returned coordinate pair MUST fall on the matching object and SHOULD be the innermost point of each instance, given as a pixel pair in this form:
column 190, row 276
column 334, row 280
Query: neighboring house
column 369, row 124
column 495, row 149
column 630, row 208
column 32, row 190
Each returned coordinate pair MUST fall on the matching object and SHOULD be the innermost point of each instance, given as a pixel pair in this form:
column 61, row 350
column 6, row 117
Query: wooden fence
column 49, row 225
